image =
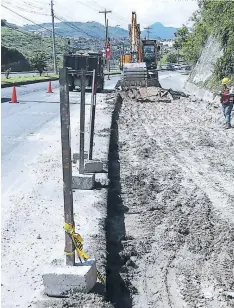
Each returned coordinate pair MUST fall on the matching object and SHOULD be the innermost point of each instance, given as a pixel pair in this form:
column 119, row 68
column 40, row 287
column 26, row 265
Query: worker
column 226, row 99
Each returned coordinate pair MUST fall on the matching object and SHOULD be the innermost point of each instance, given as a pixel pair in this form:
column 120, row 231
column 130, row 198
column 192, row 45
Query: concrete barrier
column 201, row 93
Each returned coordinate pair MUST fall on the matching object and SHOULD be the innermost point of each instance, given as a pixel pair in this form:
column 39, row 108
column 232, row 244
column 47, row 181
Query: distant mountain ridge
column 160, row 31
column 97, row 30
column 80, row 29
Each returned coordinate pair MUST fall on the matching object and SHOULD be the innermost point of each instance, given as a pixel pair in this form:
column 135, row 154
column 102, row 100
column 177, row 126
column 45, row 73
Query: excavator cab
column 149, row 53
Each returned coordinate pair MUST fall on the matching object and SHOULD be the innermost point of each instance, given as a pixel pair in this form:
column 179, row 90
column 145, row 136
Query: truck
column 75, row 62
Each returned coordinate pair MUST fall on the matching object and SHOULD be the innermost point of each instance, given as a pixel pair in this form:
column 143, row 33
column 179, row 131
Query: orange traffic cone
column 50, row 88
column 13, row 97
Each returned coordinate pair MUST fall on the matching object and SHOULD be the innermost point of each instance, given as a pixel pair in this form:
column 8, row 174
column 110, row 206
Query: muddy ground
column 171, row 220
column 170, row 216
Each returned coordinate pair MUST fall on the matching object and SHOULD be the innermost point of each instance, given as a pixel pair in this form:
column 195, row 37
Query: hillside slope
column 213, row 20
column 14, row 59
column 29, row 43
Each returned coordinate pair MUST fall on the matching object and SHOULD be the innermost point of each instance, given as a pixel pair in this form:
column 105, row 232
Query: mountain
column 160, row 31
column 5, row 23
column 80, row 29
column 97, row 30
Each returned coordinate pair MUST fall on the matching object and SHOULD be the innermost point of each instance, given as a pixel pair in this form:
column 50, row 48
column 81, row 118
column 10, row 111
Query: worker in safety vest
column 226, row 99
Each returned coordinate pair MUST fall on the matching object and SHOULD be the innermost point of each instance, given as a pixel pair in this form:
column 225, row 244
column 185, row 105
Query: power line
column 71, row 25
column 25, row 18
column 113, row 13
column 40, row 1
column 23, row 32
column 39, row 26
column 31, row 12
column 31, row 7
column 93, row 34
column 101, row 8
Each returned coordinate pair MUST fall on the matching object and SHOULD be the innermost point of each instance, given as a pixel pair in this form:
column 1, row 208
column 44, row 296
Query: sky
column 169, row 12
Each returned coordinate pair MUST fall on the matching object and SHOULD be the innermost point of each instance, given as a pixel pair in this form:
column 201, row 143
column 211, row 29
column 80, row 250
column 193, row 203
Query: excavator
column 142, row 68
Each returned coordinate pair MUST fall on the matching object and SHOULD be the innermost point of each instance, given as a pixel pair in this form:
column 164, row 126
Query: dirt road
column 172, row 225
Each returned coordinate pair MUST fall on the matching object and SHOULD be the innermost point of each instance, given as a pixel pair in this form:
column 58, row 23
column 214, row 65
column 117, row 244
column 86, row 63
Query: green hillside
column 28, row 43
column 213, row 18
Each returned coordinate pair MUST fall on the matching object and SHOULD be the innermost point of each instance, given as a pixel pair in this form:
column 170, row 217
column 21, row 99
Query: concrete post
column 66, row 160
column 92, row 115
column 82, row 121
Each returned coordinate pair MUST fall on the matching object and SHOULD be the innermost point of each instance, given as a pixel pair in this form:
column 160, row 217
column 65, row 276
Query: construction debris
column 152, row 94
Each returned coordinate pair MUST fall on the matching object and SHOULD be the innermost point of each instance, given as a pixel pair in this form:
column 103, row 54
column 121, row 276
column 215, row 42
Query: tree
column 38, row 62
column 215, row 18
column 177, row 45
column 171, row 58
column 182, row 35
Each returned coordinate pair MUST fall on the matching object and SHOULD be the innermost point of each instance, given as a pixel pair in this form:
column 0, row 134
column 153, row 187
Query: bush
column 38, row 62
column 171, row 58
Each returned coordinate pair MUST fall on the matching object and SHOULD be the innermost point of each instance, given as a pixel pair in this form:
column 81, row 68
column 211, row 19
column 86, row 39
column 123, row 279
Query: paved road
column 173, row 79
column 36, row 109
column 31, row 184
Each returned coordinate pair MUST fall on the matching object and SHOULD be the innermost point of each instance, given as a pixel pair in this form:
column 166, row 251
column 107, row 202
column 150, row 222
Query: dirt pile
column 78, row 300
column 177, row 192
column 152, row 94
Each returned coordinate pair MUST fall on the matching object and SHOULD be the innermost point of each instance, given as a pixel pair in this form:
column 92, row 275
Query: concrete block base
column 62, row 281
column 76, row 156
column 83, row 181
column 102, row 179
column 94, row 167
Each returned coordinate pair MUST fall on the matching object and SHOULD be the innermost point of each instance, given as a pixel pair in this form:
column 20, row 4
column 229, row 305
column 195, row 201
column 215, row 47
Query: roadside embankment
column 201, row 93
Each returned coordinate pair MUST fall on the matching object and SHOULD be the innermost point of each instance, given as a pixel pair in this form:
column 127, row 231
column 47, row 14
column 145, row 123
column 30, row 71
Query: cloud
column 168, row 12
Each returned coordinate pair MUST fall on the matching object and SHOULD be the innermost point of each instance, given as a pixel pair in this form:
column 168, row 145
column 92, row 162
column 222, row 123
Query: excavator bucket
column 134, row 74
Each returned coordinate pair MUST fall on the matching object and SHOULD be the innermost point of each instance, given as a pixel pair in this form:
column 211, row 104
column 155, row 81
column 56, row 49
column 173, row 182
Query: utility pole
column 53, row 36
column 106, row 25
column 148, row 31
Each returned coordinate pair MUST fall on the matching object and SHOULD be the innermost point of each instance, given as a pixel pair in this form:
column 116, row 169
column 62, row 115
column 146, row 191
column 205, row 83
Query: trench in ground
column 117, row 291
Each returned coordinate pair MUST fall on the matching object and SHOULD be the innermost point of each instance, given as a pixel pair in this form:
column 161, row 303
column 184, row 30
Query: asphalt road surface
column 20, row 122
column 31, row 183
column 172, row 79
